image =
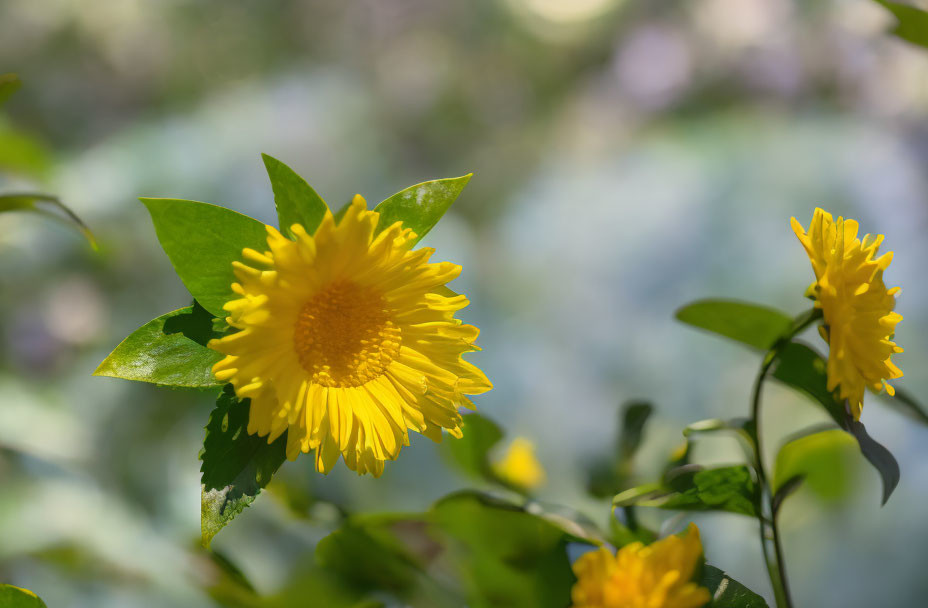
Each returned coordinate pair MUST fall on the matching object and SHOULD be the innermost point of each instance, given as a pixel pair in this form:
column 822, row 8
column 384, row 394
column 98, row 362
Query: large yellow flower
column 856, row 306
column 346, row 340
column 638, row 576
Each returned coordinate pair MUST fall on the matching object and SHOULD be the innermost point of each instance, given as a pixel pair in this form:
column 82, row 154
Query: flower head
column 859, row 321
column 519, row 466
column 347, row 339
column 638, row 576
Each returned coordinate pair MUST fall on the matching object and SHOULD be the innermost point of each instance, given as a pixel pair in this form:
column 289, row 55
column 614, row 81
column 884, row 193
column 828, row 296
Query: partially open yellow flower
column 658, row 575
column 347, row 340
column 856, row 306
column 519, row 466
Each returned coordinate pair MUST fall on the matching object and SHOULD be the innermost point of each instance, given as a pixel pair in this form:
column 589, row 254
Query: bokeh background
column 629, row 156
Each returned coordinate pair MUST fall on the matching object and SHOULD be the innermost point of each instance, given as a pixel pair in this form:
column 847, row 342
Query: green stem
column 776, row 566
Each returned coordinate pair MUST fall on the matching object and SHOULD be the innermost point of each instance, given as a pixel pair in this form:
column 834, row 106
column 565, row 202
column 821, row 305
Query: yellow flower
column 638, row 576
column 856, row 306
column 347, row 340
column 519, row 466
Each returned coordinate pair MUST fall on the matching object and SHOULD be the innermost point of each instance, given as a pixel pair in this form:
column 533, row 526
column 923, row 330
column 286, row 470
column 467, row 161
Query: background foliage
column 628, row 157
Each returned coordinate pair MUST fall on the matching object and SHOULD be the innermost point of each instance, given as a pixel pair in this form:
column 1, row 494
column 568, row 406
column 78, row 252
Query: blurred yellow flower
column 347, row 340
column 638, row 576
column 519, row 466
column 856, row 306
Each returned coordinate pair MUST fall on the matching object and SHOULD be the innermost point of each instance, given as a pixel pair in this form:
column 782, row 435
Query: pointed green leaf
column 803, row 369
column 236, row 465
column 9, row 84
column 421, row 206
column 727, row 592
column 14, row 597
column 202, row 241
column 169, row 351
column 913, row 22
column 611, row 475
column 751, row 324
column 693, row 488
column 296, row 201
column 47, row 205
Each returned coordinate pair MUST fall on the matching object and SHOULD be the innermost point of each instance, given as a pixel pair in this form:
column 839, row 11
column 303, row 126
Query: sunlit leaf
column 693, row 488
column 821, row 459
column 202, row 241
column 421, row 206
column 169, row 351
column 751, row 324
column 727, row 592
column 296, row 201
column 505, row 555
column 22, row 153
column 913, row 22
column 48, row 206
column 800, row 367
column 236, row 465
column 14, row 597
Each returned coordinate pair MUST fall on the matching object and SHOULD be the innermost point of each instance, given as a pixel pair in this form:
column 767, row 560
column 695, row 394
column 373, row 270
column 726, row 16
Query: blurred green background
column 629, row 156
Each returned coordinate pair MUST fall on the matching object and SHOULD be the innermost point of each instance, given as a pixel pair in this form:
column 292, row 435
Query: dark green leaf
column 786, row 490
column 727, row 592
column 236, row 465
column 421, row 206
column 877, row 455
column 49, row 206
column 751, row 324
column 803, row 369
column 169, row 351
column 202, row 241
column 368, row 557
column 9, row 84
column 907, row 404
column 14, row 597
column 611, row 475
column 227, row 584
column 506, row 556
column 692, row 488
column 471, row 452
column 913, row 22
column 296, row 201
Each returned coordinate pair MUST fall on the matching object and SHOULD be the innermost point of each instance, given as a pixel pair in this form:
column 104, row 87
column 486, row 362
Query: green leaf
column 727, row 592
column 742, row 428
column 913, row 22
column 693, row 488
column 296, row 201
column 368, row 557
column 800, row 367
column 821, row 459
column 421, row 206
column 202, row 241
column 168, row 351
column 505, row 555
column 609, row 476
column 236, row 465
column 471, row 452
column 14, row 597
column 48, row 206
column 22, row 153
column 757, row 326
column 906, row 404
column 9, row 84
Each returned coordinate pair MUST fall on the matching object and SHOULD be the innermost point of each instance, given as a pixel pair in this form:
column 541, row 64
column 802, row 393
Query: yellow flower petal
column 347, row 340
column 859, row 321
